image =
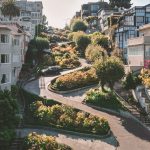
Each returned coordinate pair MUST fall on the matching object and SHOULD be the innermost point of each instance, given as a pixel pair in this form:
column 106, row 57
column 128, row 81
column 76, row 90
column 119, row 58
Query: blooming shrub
column 67, row 117
column 76, row 79
column 66, row 57
column 35, row 141
column 94, row 52
column 145, row 76
column 105, row 99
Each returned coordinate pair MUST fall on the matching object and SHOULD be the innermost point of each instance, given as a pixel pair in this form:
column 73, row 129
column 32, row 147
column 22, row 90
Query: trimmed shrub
column 82, row 41
column 103, row 99
column 78, row 25
column 94, row 52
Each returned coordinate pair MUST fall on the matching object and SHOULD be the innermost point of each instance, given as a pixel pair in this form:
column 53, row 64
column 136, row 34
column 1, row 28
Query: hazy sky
column 59, row 12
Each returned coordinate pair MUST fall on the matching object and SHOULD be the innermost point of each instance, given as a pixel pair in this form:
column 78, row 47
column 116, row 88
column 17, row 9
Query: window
column 139, row 19
column 147, row 9
column 4, row 78
column 4, row 38
column 4, row 58
column 147, row 52
column 16, row 42
column 147, row 19
column 94, row 8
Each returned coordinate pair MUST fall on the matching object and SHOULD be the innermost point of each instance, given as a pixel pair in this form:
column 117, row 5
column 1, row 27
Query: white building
column 31, row 13
column 139, row 49
column 13, row 47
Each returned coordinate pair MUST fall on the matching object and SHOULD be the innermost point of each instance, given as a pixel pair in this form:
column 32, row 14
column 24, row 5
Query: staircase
column 17, row 144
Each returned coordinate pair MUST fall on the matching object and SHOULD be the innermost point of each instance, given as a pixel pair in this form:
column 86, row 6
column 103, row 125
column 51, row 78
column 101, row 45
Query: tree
column 94, row 52
column 109, row 71
column 10, row 9
column 82, row 41
column 78, row 25
column 8, row 118
column 35, row 49
column 120, row 3
column 41, row 27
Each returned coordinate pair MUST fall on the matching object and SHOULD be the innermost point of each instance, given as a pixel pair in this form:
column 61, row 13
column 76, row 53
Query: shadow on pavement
column 136, row 129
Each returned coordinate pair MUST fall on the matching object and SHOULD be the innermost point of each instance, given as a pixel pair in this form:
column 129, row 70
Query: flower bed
column 103, row 99
column 66, row 57
column 74, row 80
column 65, row 117
column 42, row 142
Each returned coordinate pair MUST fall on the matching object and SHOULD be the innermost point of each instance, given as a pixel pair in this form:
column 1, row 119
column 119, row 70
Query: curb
column 109, row 134
column 69, row 91
column 120, row 113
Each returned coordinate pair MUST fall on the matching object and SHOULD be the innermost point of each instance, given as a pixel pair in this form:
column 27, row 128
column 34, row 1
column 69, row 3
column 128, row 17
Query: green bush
column 68, row 118
column 94, row 52
column 78, row 25
column 8, row 118
column 102, row 99
column 99, row 39
column 131, row 81
column 82, row 41
column 43, row 142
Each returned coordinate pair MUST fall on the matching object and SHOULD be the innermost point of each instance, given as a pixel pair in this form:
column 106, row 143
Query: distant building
column 13, row 47
column 92, row 8
column 78, row 14
column 103, row 18
column 31, row 13
column 139, row 49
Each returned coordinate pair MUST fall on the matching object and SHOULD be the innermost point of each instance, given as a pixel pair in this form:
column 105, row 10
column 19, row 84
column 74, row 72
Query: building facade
column 92, row 8
column 129, row 24
column 31, row 13
column 139, row 48
column 13, row 47
column 104, row 16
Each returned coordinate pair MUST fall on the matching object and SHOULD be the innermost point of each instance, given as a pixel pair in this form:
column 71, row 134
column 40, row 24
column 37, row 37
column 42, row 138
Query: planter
column 50, row 88
column 63, row 131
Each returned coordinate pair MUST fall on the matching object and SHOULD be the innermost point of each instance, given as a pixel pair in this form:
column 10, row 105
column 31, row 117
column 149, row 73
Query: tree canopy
column 78, row 25
column 82, row 41
column 10, row 9
column 109, row 70
column 120, row 3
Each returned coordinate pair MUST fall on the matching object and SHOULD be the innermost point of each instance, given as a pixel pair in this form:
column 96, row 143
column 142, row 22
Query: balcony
column 139, row 40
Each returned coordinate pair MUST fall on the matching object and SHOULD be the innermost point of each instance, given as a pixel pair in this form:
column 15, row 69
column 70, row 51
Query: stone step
column 17, row 144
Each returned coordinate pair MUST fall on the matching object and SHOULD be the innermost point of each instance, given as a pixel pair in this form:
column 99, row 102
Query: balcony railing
column 139, row 40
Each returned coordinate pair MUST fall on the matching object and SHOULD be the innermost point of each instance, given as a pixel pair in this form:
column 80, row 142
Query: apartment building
column 13, row 47
column 31, row 13
column 139, row 49
column 129, row 24
column 92, row 8
column 103, row 18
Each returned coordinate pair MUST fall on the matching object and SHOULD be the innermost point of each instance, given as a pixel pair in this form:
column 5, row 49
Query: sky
column 59, row 12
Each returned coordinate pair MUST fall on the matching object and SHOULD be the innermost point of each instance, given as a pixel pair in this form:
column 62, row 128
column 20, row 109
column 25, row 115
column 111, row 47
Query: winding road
column 129, row 134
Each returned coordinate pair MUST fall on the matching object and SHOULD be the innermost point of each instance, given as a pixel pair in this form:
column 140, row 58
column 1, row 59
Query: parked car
column 53, row 70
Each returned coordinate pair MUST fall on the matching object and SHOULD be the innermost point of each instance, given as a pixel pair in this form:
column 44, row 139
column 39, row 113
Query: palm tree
column 10, row 9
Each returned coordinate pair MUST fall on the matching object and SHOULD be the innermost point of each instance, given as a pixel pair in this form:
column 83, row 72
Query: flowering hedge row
column 35, row 141
column 66, row 117
column 77, row 79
